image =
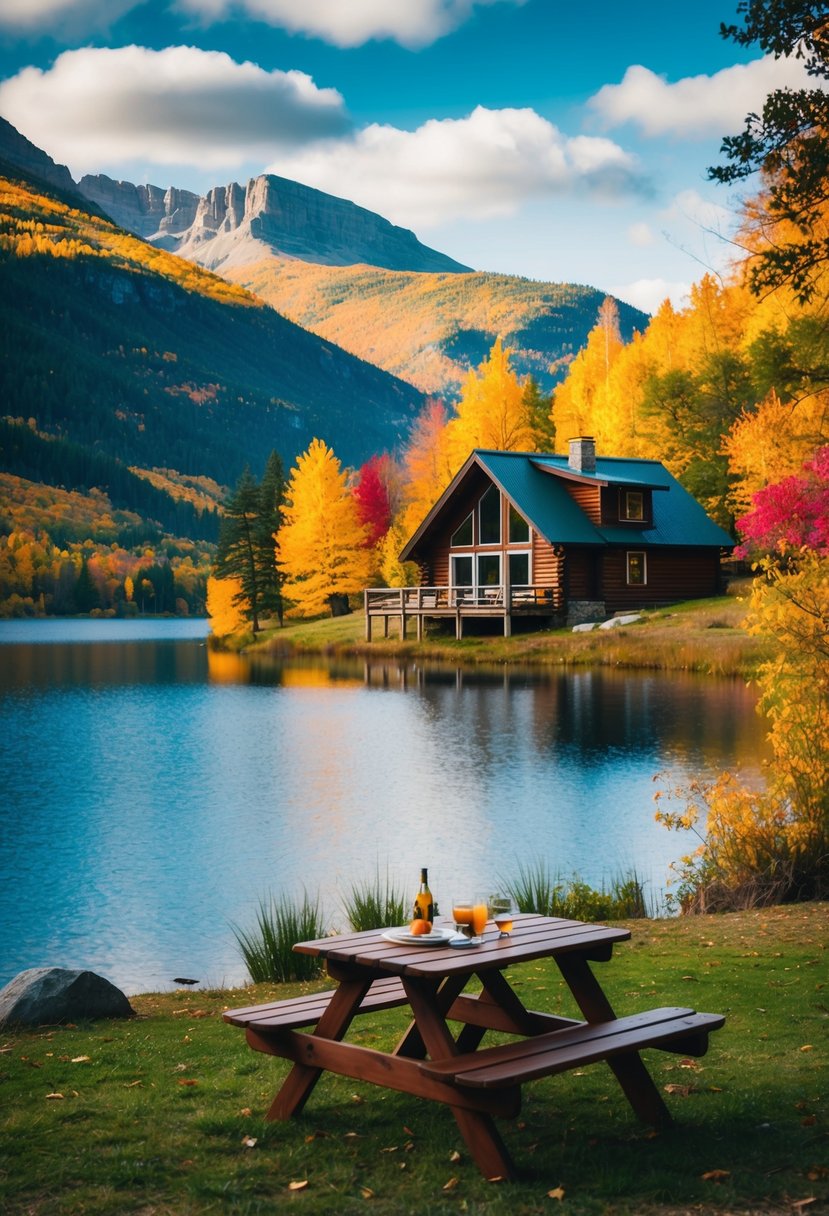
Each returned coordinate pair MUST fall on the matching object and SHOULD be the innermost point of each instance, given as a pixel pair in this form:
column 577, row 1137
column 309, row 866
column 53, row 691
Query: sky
column 566, row 143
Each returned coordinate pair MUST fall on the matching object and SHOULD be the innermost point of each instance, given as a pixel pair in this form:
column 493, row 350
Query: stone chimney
column 582, row 457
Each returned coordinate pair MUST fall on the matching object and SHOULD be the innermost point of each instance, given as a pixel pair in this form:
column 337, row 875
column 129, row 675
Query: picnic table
column 478, row 1083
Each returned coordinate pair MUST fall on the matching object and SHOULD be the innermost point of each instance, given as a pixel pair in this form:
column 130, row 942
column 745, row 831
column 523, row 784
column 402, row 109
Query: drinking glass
column 470, row 916
column 502, row 912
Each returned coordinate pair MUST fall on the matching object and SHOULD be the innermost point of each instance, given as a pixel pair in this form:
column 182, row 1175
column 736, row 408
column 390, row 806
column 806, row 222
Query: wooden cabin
column 561, row 538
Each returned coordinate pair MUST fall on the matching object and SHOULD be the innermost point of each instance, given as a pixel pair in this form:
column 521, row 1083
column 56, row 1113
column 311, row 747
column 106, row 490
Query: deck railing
column 415, row 601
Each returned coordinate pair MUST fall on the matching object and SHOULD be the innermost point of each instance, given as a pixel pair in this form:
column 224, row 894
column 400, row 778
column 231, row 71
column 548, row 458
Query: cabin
column 562, row 539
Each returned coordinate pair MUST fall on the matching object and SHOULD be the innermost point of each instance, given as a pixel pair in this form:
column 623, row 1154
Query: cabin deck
column 458, row 604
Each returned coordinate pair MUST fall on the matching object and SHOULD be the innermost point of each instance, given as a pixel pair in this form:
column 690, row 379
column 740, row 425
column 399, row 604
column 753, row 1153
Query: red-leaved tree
column 372, row 497
column 792, row 514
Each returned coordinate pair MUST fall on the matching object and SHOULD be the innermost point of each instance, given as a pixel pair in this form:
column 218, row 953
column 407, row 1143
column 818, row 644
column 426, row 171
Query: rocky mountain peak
column 20, row 152
column 269, row 217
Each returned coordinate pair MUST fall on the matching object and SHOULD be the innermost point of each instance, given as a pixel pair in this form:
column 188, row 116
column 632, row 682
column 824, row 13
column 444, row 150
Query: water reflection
column 155, row 790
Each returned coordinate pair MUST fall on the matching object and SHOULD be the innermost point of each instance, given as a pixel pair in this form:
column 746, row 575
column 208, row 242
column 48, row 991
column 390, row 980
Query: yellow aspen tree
column 320, row 547
column 492, row 412
column 581, row 404
column 767, row 444
column 225, row 615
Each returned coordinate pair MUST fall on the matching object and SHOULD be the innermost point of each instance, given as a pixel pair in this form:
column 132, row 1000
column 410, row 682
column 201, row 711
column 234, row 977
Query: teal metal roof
column 530, row 480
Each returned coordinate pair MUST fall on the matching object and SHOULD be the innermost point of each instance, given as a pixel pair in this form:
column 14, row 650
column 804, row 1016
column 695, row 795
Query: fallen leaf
column 366, row 1192
column 391, row 1149
column 807, row 1047
column 684, row 1090
column 496, row 1178
column 357, row 1100
column 689, row 1064
column 455, row 1156
column 246, row 1112
column 298, row 1186
column 451, row 1184
column 187, row 1081
column 556, row 1193
column 351, row 1136
column 81, row 1059
column 132, row 1084
column 715, row 1175
column 248, row 1141
column 407, row 1130
column 54, row 1095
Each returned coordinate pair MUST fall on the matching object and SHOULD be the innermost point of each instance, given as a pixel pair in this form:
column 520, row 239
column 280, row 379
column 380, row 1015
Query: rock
column 17, row 150
column 627, row 619
column 585, row 627
column 47, row 995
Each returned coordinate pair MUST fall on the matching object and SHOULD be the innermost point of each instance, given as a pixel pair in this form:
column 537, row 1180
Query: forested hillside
column 144, row 384
column 431, row 329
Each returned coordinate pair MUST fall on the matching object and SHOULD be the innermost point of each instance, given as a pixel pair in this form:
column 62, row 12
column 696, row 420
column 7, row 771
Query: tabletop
column 532, row 937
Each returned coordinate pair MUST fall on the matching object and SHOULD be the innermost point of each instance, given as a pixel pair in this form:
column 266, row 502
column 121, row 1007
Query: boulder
column 46, row 995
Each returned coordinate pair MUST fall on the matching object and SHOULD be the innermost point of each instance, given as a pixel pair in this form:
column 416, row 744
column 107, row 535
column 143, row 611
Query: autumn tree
column 223, row 598
column 426, row 462
column 772, row 845
column 788, row 143
column 581, row 402
column 492, row 412
column 321, row 544
column 371, row 495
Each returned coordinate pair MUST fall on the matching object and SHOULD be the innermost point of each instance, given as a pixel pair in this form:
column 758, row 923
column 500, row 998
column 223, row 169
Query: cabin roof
column 535, row 483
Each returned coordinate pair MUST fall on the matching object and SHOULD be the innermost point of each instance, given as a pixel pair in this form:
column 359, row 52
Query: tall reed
column 374, row 903
column 267, row 950
column 537, row 890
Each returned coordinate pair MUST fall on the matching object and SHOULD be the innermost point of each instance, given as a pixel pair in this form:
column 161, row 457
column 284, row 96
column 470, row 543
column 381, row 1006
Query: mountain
column 357, row 280
column 110, row 342
column 233, row 225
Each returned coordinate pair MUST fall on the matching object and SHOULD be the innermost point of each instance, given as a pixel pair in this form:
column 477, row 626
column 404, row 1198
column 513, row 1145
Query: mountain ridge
column 233, row 224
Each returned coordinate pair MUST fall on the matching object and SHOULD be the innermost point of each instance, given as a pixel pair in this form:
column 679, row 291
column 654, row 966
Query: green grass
column 703, row 636
column 267, row 949
column 162, row 1115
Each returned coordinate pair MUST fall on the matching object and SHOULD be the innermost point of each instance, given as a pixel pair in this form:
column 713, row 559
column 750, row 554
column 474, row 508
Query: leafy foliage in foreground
column 536, row 889
column 164, row 1113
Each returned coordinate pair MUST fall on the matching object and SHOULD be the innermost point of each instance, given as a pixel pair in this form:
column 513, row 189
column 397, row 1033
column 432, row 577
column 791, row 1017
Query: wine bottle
column 424, row 908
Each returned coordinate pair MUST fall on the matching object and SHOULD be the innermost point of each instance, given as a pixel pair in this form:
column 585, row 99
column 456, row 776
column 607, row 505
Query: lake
column 154, row 791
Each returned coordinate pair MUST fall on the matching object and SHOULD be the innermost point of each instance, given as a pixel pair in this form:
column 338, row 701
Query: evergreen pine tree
column 540, row 409
column 269, row 521
column 237, row 554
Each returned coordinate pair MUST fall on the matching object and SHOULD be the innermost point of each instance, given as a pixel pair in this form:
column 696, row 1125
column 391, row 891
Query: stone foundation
column 580, row 612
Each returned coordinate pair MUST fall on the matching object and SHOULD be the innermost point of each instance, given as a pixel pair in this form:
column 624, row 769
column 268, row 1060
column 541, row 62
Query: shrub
column 535, row 890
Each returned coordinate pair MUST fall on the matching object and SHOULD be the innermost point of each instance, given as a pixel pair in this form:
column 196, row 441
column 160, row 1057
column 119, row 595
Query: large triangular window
column 462, row 535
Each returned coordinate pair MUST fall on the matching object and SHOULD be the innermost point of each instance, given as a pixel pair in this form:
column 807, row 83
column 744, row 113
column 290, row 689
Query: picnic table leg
column 411, row 1044
column 297, row 1086
column 629, row 1070
column 478, row 1129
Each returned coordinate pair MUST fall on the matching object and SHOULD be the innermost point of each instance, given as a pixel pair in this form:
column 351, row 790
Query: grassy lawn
column 162, row 1115
column 700, row 635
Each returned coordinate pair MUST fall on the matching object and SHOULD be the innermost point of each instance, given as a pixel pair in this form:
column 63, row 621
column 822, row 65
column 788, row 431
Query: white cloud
column 641, row 235
column 484, row 165
column 97, row 108
column 62, row 16
column 648, row 294
column 696, row 106
column 412, row 23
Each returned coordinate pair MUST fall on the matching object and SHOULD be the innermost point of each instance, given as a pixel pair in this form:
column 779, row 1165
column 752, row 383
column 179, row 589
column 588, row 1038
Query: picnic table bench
column 429, row 1061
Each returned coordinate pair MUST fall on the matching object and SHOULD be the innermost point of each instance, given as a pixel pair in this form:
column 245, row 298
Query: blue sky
column 560, row 142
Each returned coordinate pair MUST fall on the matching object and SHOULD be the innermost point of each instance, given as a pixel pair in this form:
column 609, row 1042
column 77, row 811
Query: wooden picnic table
column 477, row 1083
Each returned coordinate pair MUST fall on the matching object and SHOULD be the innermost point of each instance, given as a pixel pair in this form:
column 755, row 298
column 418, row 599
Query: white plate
column 405, row 937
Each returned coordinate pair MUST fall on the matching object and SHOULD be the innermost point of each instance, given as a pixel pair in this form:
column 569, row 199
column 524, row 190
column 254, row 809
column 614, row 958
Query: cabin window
column 637, row 569
column 633, row 505
column 519, row 569
column 489, row 570
column 462, row 570
column 489, row 517
column 463, row 534
column 519, row 529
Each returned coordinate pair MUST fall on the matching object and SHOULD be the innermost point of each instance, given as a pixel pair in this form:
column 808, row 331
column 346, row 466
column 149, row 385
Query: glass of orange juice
column 470, row 914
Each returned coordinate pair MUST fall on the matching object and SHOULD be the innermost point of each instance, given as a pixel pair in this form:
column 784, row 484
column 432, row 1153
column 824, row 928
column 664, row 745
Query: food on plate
column 419, row 927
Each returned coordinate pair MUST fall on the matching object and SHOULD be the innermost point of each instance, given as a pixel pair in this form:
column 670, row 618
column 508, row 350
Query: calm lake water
column 153, row 792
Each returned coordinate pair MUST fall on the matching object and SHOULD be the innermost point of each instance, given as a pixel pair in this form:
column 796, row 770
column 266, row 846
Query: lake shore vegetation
column 164, row 1113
